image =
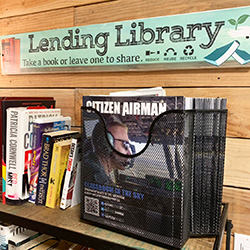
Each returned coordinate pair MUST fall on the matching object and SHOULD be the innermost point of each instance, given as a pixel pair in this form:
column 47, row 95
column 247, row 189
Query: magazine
column 136, row 166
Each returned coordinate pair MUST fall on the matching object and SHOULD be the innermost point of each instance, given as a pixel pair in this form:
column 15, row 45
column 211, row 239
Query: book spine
column 26, row 151
column 6, row 56
column 56, row 175
column 44, row 169
column 1, row 175
column 12, row 55
column 76, row 177
column 17, row 55
column 36, row 154
column 7, row 232
column 36, row 241
column 53, row 177
column 3, row 182
column 67, row 188
column 2, row 54
column 14, row 140
column 63, row 165
column 22, row 242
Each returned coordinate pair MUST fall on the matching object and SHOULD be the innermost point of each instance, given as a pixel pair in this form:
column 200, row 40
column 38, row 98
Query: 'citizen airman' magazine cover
column 136, row 166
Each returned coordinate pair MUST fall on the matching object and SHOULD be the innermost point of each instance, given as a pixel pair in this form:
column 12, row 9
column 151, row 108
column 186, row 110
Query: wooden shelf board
column 67, row 225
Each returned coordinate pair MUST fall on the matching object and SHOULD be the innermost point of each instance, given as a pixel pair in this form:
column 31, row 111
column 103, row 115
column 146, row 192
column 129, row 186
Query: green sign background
column 179, row 41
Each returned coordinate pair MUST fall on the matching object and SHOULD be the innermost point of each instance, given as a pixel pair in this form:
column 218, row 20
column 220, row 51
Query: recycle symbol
column 188, row 50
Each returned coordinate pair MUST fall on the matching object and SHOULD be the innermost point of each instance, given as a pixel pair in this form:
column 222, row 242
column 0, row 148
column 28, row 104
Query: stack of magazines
column 154, row 164
column 208, row 164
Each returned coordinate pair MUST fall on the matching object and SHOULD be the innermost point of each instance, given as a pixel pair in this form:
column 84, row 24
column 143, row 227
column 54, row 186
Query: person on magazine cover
column 99, row 163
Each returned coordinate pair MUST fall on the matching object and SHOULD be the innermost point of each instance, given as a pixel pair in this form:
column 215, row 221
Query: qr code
column 91, row 206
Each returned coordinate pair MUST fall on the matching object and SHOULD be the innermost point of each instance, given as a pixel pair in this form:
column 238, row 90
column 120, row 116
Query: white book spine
column 18, row 241
column 76, row 176
column 67, row 186
column 76, row 197
column 13, row 140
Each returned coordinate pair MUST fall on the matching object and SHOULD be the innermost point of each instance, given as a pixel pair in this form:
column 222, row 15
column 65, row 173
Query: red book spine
column 17, row 56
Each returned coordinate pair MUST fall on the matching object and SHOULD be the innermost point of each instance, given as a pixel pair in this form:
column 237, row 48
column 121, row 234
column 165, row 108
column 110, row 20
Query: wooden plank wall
column 30, row 15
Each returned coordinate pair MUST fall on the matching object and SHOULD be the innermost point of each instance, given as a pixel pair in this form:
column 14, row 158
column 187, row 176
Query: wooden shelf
column 67, row 225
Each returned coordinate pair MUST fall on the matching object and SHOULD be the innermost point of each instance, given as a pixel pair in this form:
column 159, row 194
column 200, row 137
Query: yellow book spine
column 63, row 165
column 51, row 192
column 58, row 166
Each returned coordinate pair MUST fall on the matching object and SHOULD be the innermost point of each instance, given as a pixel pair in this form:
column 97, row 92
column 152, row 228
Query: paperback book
column 41, row 126
column 18, row 241
column 136, row 166
column 47, row 244
column 60, row 155
column 48, row 140
column 6, row 232
column 19, row 150
column 34, row 242
column 71, row 185
column 5, row 103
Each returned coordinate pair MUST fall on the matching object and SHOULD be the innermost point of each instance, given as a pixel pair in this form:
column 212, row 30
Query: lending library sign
column 205, row 39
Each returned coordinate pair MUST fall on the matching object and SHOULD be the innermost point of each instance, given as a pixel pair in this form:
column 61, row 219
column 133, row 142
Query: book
column 19, row 150
column 136, row 166
column 16, row 242
column 10, row 55
column 67, row 245
column 3, row 51
column 79, row 247
column 41, row 126
column 48, row 244
column 48, row 140
column 7, row 102
column 33, row 242
column 71, row 185
column 6, row 58
column 54, row 243
column 222, row 54
column 60, row 155
column 17, row 55
column 36, row 241
column 241, row 56
column 6, row 232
